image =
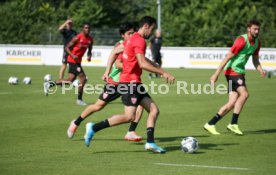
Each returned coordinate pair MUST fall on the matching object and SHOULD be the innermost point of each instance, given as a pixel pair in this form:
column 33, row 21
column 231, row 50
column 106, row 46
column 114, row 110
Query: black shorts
column 234, row 82
column 132, row 93
column 64, row 57
column 75, row 69
column 157, row 58
column 110, row 93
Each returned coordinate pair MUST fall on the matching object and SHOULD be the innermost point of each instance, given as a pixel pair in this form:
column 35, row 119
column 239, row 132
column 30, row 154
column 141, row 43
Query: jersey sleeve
column 238, row 45
column 256, row 53
column 139, row 46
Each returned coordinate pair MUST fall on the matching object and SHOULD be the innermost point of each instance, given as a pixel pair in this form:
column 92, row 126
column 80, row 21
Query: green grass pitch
column 34, row 141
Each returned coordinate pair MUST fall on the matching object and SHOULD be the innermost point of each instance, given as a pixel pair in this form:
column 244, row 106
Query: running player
column 126, row 30
column 234, row 70
column 76, row 49
column 131, row 88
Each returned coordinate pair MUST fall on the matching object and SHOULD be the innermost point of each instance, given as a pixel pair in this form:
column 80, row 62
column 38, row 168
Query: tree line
column 189, row 23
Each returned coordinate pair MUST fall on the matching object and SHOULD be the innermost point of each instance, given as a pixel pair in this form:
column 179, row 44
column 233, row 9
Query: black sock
column 132, row 126
column 214, row 120
column 101, row 125
column 79, row 95
column 235, row 118
column 78, row 121
column 150, row 135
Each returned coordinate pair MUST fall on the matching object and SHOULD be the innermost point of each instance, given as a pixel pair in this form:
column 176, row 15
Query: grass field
column 34, row 141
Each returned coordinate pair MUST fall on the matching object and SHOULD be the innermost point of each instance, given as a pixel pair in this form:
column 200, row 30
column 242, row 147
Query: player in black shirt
column 155, row 47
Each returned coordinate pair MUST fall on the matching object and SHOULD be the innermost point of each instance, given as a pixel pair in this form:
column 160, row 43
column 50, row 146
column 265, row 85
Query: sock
column 79, row 95
column 214, row 120
column 150, row 135
column 101, row 125
column 235, row 118
column 132, row 126
column 78, row 120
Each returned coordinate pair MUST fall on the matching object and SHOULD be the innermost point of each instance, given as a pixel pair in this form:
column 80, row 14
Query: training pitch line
column 203, row 166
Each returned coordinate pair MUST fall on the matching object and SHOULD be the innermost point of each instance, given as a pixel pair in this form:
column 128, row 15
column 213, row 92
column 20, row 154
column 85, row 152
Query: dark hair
column 147, row 20
column 124, row 27
column 253, row 22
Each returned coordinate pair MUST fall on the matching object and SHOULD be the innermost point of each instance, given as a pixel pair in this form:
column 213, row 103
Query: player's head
column 126, row 30
column 253, row 28
column 69, row 24
column 158, row 33
column 86, row 28
column 147, row 24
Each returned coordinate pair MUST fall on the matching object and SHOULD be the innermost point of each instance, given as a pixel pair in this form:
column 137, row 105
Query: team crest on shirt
column 105, row 95
column 78, row 69
column 240, row 81
column 133, row 100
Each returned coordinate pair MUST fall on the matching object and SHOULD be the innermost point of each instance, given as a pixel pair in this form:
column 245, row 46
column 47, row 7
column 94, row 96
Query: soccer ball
column 13, row 80
column 76, row 83
column 27, row 80
column 48, row 77
column 189, row 145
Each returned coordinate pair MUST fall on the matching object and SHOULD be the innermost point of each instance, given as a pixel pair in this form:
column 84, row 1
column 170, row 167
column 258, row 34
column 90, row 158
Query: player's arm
column 228, row 57
column 151, row 62
column 89, row 52
column 63, row 26
column 119, row 64
column 144, row 64
column 258, row 65
column 111, row 59
column 70, row 45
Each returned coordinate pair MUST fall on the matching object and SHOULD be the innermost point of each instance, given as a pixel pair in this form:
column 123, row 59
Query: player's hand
column 105, row 76
column 89, row 58
column 263, row 73
column 169, row 78
column 213, row 79
column 75, row 57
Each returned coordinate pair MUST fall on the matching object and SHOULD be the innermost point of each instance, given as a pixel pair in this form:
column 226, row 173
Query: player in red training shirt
column 234, row 70
column 131, row 87
column 76, row 49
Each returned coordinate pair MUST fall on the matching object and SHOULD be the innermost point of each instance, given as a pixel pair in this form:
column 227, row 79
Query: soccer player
column 76, row 49
column 131, row 87
column 126, row 30
column 66, row 29
column 155, row 47
column 234, row 70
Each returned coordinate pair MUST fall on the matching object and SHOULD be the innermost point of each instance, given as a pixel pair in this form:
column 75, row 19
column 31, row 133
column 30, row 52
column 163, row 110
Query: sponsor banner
column 172, row 57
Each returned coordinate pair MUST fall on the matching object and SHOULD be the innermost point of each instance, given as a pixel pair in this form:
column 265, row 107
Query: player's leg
column 63, row 66
column 114, row 120
column 241, row 100
column 83, row 80
column 131, row 134
column 153, row 113
column 210, row 126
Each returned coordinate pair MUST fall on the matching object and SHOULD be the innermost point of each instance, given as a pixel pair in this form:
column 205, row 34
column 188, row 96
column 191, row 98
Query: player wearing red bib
column 76, row 49
column 132, row 90
column 234, row 70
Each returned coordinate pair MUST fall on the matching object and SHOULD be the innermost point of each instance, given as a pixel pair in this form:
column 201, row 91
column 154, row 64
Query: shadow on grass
column 263, row 131
column 175, row 138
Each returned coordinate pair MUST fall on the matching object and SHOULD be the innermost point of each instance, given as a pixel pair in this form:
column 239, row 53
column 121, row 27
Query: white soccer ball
column 13, row 80
column 27, row 80
column 189, row 145
column 48, row 77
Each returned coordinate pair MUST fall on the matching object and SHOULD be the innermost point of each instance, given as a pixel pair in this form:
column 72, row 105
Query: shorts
column 64, row 57
column 75, row 69
column 110, row 93
column 234, row 82
column 157, row 58
column 132, row 93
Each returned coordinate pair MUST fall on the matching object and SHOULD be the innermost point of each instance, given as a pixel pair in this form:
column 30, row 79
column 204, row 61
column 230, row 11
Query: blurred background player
column 234, row 70
column 155, row 47
column 66, row 29
column 126, row 30
column 131, row 87
column 76, row 49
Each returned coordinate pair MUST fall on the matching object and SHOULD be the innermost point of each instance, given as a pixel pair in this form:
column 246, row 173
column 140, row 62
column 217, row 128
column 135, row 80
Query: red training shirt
column 80, row 48
column 132, row 72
